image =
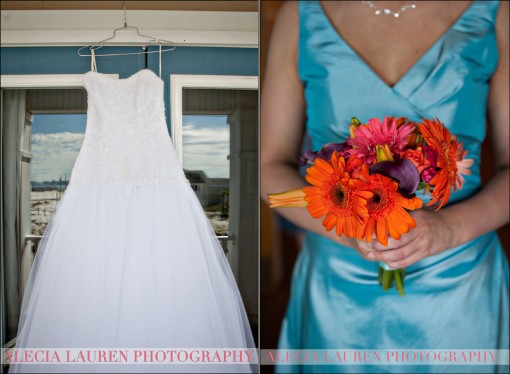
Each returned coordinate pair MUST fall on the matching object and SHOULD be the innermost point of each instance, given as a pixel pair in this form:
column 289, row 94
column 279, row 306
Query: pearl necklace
column 388, row 12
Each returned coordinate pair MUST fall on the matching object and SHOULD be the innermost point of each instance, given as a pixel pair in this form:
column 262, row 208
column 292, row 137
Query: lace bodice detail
column 126, row 140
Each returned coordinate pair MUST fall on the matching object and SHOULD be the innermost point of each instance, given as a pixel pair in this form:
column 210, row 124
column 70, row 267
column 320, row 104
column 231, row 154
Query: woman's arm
column 282, row 122
column 488, row 210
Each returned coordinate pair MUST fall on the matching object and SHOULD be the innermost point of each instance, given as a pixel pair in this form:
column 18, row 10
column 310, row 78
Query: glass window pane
column 56, row 141
column 205, row 150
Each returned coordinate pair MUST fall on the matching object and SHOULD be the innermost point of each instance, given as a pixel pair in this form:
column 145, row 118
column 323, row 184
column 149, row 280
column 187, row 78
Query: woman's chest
column 391, row 46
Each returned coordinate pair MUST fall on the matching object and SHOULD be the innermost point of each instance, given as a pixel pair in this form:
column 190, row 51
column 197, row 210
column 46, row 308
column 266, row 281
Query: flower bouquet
column 365, row 186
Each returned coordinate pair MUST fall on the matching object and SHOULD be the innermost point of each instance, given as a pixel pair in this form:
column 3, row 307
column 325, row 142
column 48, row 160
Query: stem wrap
column 387, row 275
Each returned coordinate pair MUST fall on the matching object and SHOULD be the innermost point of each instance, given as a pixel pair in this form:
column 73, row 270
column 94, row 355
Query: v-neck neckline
column 414, row 66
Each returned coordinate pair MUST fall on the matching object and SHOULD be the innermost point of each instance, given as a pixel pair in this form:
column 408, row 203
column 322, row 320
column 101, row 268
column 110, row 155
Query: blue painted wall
column 182, row 60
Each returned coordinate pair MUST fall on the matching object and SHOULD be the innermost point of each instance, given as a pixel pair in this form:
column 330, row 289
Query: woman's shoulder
column 502, row 35
column 286, row 28
column 502, row 18
column 288, row 15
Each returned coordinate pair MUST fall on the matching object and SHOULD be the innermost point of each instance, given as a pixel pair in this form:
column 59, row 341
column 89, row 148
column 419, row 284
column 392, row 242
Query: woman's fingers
column 399, row 257
column 394, row 243
column 413, row 257
column 364, row 249
column 379, row 247
column 396, row 254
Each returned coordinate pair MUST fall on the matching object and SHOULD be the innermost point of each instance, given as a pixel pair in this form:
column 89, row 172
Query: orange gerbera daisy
column 450, row 160
column 333, row 194
column 386, row 210
column 336, row 195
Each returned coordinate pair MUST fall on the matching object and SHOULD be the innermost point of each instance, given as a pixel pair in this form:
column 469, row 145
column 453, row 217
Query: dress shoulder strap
column 160, row 60
column 93, row 65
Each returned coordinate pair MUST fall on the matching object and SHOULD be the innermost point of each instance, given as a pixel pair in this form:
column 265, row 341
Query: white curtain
column 12, row 130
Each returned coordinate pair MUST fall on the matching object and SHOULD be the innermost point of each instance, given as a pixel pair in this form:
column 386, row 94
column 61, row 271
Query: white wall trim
column 180, row 81
column 83, row 27
column 44, row 80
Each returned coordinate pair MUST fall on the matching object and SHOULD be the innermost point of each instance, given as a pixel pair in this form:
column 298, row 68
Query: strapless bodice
column 126, row 139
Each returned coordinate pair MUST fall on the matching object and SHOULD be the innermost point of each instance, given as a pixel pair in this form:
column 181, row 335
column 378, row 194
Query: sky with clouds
column 56, row 141
column 206, row 144
column 57, row 138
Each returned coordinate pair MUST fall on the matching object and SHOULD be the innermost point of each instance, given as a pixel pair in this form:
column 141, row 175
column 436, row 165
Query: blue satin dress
column 458, row 299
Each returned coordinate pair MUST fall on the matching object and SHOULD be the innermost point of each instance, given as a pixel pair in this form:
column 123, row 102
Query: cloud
column 54, row 155
column 206, row 147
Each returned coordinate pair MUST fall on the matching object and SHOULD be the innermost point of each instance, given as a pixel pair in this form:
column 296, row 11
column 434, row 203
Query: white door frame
column 27, row 28
column 44, row 80
column 178, row 82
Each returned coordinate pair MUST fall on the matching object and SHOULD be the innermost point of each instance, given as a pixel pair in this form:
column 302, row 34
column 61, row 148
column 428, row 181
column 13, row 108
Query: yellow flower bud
column 355, row 123
column 383, row 153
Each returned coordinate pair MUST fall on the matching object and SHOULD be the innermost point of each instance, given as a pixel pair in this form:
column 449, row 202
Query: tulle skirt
column 135, row 267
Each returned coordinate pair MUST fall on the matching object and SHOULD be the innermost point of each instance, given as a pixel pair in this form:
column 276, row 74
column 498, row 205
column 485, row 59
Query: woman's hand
column 432, row 235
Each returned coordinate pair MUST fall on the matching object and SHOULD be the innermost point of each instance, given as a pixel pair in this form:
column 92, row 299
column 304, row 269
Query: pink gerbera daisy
column 367, row 137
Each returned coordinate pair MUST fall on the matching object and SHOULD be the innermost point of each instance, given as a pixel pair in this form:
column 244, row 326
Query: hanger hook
column 125, row 19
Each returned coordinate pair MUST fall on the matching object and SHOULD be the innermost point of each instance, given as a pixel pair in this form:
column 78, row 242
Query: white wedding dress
column 129, row 259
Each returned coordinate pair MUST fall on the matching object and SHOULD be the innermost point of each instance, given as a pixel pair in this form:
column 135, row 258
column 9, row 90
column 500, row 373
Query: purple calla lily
column 325, row 153
column 307, row 158
column 403, row 171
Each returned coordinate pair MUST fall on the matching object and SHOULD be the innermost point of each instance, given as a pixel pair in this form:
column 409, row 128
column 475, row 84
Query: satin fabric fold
column 455, row 300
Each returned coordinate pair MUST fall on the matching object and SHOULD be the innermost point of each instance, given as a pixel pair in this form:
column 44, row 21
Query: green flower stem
column 399, row 281
column 387, row 281
column 387, row 275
